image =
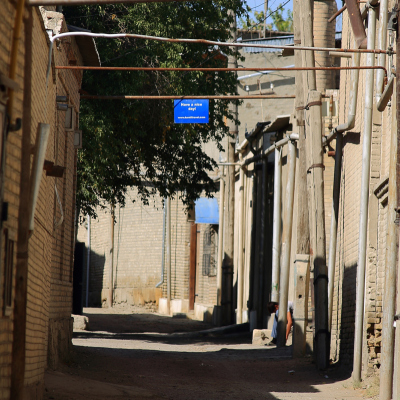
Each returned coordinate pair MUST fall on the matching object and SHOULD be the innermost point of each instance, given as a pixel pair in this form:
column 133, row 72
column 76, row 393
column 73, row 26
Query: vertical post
column 389, row 294
column 227, row 266
column 364, row 200
column 334, row 223
column 239, row 308
column 192, row 272
column 316, row 193
column 265, row 17
column 286, row 245
column 276, row 230
column 21, row 270
column 220, row 234
column 396, row 126
column 111, row 271
column 88, row 259
column 169, row 254
column 302, row 262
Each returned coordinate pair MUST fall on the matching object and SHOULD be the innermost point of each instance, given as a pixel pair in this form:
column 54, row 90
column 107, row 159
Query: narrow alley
column 135, row 353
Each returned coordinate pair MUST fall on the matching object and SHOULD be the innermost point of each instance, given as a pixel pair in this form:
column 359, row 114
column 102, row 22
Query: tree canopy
column 279, row 22
column 129, row 143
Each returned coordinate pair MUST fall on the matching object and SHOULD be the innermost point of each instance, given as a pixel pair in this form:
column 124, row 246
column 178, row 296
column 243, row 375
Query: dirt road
column 137, row 354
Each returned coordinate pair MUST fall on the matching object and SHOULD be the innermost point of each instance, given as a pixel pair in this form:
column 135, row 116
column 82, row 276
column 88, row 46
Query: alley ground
column 135, row 353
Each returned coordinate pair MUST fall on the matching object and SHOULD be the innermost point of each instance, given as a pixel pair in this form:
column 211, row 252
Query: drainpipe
column 239, row 311
column 357, row 24
column 169, row 254
column 382, row 44
column 111, row 272
column 337, row 132
column 286, row 244
column 389, row 295
column 88, row 260
column 365, row 177
column 220, row 234
column 276, row 230
column 163, row 247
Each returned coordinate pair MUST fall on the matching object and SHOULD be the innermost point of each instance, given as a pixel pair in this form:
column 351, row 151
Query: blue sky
column 258, row 5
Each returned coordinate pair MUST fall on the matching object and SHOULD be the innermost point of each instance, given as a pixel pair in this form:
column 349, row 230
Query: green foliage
column 279, row 23
column 136, row 143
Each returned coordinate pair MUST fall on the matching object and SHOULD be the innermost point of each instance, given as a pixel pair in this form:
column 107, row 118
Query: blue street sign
column 190, row 111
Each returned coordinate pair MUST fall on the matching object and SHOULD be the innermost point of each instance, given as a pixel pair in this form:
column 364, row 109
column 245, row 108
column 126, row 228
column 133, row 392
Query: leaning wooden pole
column 315, row 179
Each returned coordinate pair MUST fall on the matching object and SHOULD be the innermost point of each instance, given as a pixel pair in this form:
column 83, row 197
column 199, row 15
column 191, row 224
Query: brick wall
column 49, row 301
column 137, row 253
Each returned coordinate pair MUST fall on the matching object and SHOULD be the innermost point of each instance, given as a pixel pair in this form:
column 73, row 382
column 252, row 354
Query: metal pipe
column 220, row 235
column 365, row 177
column 233, row 97
column 357, row 24
column 337, row 133
column 351, row 118
column 334, row 224
column 337, row 13
column 286, row 245
column 88, row 259
column 163, row 247
column 169, row 254
column 94, row 2
column 276, row 230
column 266, row 153
column 111, row 271
column 239, row 308
column 382, row 44
column 386, row 95
column 389, row 294
column 210, row 42
column 266, row 70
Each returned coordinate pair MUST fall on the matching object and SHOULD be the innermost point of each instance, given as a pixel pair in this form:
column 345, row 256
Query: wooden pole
column 302, row 261
column 21, row 270
column 227, row 266
column 315, row 179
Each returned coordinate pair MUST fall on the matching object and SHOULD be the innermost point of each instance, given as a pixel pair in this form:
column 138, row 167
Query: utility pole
column 265, row 17
column 227, row 265
column 315, row 180
column 302, row 261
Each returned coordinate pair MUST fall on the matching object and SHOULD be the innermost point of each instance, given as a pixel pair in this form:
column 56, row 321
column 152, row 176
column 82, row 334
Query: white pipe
column 220, row 235
column 88, row 260
column 261, row 73
column 276, row 230
column 239, row 308
column 337, row 132
column 169, row 253
column 286, row 245
column 365, row 177
column 163, row 247
column 42, row 138
column 382, row 44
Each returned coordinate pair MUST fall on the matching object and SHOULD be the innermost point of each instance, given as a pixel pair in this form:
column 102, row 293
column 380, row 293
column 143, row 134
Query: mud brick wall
column 138, row 234
column 50, row 262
